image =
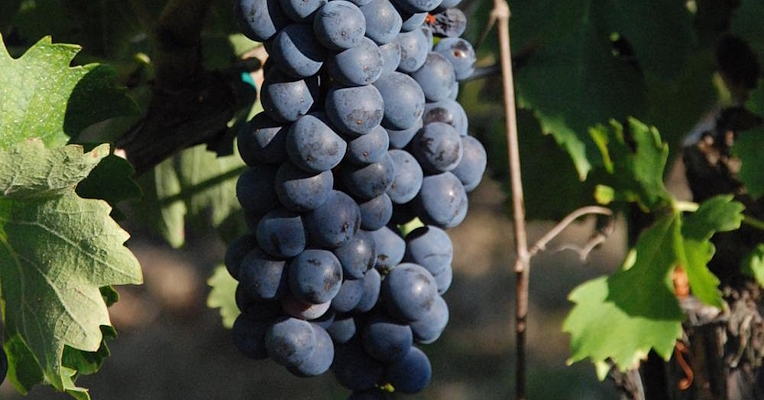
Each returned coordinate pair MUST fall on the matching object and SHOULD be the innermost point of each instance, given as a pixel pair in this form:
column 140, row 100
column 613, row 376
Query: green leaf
column 89, row 362
column 56, row 251
column 624, row 316
column 635, row 158
column 223, row 295
column 25, row 174
column 753, row 265
column 717, row 214
column 746, row 24
column 748, row 148
column 43, row 97
column 165, row 211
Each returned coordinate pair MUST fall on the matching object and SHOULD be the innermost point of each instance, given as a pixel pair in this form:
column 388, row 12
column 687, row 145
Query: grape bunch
column 360, row 135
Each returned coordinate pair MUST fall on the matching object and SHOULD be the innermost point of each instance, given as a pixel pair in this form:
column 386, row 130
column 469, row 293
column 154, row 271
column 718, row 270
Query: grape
column 290, row 341
column 298, row 190
column 385, row 339
column 383, row 22
column 411, row 374
column 236, row 252
column 315, row 276
column 360, row 132
column 442, row 201
column 255, row 308
column 449, row 112
column 262, row 141
column 287, row 99
column 296, row 51
column 354, row 369
column 262, row 276
column 371, row 180
column 260, row 20
column 401, row 138
column 249, row 336
column 348, row 297
column 255, row 191
column 357, row 255
column 449, row 22
column 390, row 248
column 376, row 212
column 470, row 169
column 372, row 282
column 408, row 177
column 321, row 358
column 412, row 21
column 460, row 53
column 414, row 49
column 313, row 145
column 354, row 110
column 430, row 247
column 342, row 329
column 437, row 147
column 391, row 57
column 403, row 100
column 303, row 310
column 281, row 233
column 339, row 25
column 301, row 10
column 443, row 280
column 416, row 6
column 369, row 148
column 429, row 328
column 358, row 65
column 436, row 76
column 409, row 291
column 335, row 222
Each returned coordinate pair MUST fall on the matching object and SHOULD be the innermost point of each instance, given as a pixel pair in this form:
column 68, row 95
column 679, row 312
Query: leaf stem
column 501, row 14
column 753, row 222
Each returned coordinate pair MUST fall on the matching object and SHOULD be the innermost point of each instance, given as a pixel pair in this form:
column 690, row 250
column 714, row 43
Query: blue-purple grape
column 358, row 65
column 435, row 77
column 339, row 25
column 403, row 100
column 430, row 247
column 290, row 341
column 411, row 374
column 383, row 22
column 460, row 53
column 296, row 51
column 375, row 212
column 333, row 223
column 315, row 276
column 409, row 292
column 281, row 233
column 301, row 191
column 442, row 201
column 408, row 177
column 357, row 256
column 262, row 141
column 368, row 148
column 313, row 145
column 355, row 110
column 472, row 166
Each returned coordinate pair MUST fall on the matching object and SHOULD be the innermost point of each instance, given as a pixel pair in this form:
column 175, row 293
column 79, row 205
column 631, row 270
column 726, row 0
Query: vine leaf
column 54, row 106
column 622, row 317
column 57, row 250
column 747, row 148
column 635, row 158
column 223, row 296
column 195, row 187
column 753, row 264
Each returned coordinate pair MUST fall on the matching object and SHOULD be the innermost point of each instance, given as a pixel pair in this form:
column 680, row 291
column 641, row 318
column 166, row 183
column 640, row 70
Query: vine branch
column 189, row 105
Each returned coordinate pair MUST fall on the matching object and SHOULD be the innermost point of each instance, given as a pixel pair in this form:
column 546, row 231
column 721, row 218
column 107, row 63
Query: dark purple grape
column 383, row 22
column 408, row 292
column 287, row 99
column 450, row 22
column 236, row 252
column 437, row 147
column 417, row 6
column 414, row 49
column 371, row 180
column 262, row 141
column 411, row 20
column 301, row 10
column 290, row 341
column 411, row 374
column 281, row 233
column 303, row 310
column 401, row 138
column 391, row 57
column 460, row 53
column 315, row 276
column 403, row 100
column 386, row 339
column 376, row 212
column 470, row 170
column 357, row 255
column 442, row 201
column 430, row 247
column 429, row 328
column 260, row 20
column 408, row 177
column 368, row 148
column 255, row 190
column 296, row 51
column 372, row 283
column 436, row 76
column 256, row 308
column 312, row 144
column 342, row 329
column 339, row 25
column 348, row 297
column 390, row 249
column 443, row 280
column 355, row 110
column 300, row 191
column 249, row 336
column 321, row 359
column 449, row 112
column 358, row 65
column 354, row 369
column 262, row 276
column 335, row 222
